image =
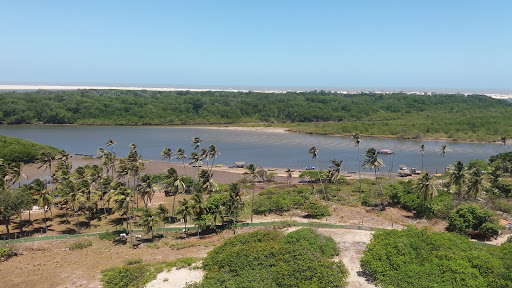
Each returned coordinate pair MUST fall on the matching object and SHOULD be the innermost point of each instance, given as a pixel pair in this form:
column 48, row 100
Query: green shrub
column 80, row 244
column 439, row 207
column 509, row 239
column 470, row 219
column 270, row 259
column 411, row 202
column 19, row 150
column 133, row 261
column 109, row 236
column 419, row 258
column 306, row 236
column 316, row 209
column 367, row 200
column 128, row 276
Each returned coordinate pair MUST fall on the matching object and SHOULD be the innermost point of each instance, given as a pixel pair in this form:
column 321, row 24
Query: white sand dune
column 176, row 278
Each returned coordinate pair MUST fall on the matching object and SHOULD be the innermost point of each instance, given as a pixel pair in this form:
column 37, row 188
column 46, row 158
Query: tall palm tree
column 149, row 220
column 425, row 187
column 122, row 198
column 289, row 178
column 45, row 199
column 357, row 140
column 251, row 171
column 45, row 160
column 184, row 211
column 337, row 165
column 204, row 155
column 207, row 183
column 147, row 189
column 476, row 182
column 458, row 177
column 235, row 202
column 196, row 142
column 422, row 151
column 167, row 154
column 314, row 154
column 373, row 161
column 180, row 155
column 443, row 152
column 75, row 200
column 213, row 153
column 180, row 188
column 199, row 210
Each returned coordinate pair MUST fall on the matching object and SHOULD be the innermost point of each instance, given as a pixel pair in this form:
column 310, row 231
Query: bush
column 419, row 258
column 316, row 209
column 128, row 276
column 270, row 259
column 109, row 236
column 470, row 219
column 80, row 244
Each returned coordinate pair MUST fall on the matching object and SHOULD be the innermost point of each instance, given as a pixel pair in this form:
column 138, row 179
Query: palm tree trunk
column 78, row 223
column 7, row 228
column 44, row 215
column 359, row 166
column 291, row 202
column 173, row 201
column 319, row 177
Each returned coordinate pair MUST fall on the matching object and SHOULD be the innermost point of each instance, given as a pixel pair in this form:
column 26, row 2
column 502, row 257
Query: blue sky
column 321, row 44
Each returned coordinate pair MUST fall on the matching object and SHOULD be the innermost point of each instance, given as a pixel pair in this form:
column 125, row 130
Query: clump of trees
column 15, row 150
column 420, row 258
column 270, row 259
column 472, row 220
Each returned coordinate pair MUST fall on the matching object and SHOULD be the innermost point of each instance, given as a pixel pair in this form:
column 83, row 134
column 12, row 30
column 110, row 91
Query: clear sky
column 429, row 43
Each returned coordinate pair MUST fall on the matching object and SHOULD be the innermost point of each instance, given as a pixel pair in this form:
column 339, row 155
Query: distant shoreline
column 27, row 87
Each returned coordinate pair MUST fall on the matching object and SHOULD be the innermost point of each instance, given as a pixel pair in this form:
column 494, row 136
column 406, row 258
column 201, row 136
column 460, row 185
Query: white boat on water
column 386, row 152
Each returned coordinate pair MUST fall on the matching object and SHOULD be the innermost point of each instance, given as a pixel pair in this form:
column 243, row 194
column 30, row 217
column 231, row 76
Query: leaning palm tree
column 425, row 187
column 357, row 140
column 458, row 177
column 167, row 154
column 251, row 171
column 443, row 152
column 422, row 151
column 45, row 160
column 204, row 155
column 111, row 143
column 184, row 211
column 314, row 154
column 475, row 183
column 196, row 142
column 336, row 177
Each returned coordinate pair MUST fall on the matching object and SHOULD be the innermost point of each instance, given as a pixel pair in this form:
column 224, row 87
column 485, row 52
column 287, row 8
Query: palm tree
column 75, row 201
column 337, row 165
column 289, row 178
column 45, row 199
column 314, row 154
column 196, row 142
column 111, row 143
column 476, row 182
column 122, row 198
column 204, row 155
column 425, row 187
column 149, row 220
column 147, row 189
column 443, row 152
column 373, row 161
column 458, row 177
column 198, row 209
column 357, row 140
column 251, row 171
column 180, row 188
column 235, row 202
column 184, row 211
column 167, row 154
column 180, row 155
column 213, row 153
column 45, row 160
column 422, row 151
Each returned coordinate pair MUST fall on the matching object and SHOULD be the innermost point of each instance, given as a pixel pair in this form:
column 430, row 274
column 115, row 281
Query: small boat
column 218, row 165
column 386, row 152
column 272, row 169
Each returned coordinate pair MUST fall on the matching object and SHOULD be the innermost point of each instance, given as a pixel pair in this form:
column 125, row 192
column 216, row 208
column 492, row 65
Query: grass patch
column 133, row 261
column 109, row 236
column 80, row 244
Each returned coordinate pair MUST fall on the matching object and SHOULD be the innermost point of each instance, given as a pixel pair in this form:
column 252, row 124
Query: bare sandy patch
column 176, row 278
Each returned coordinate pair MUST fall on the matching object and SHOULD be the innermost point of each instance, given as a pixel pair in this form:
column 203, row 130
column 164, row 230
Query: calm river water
column 263, row 148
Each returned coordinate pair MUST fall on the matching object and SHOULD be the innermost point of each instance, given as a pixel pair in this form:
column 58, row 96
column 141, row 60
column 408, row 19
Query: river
column 263, row 148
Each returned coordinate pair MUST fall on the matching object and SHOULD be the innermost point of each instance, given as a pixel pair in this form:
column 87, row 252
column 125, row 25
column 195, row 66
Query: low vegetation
column 419, row 258
column 18, row 150
column 135, row 274
column 80, row 244
column 470, row 219
column 270, row 259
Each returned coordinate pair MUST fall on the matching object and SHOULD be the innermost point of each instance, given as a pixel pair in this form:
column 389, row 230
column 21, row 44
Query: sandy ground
column 176, row 278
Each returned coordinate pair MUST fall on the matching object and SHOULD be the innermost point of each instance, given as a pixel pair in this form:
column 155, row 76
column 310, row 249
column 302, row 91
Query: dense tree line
column 18, row 150
column 440, row 115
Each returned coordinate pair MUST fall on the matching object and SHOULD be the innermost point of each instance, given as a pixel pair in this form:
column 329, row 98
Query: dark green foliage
column 109, row 236
column 322, row 244
column 270, row 259
column 18, row 150
column 278, row 201
column 419, row 258
column 470, row 219
column 316, row 209
column 408, row 116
